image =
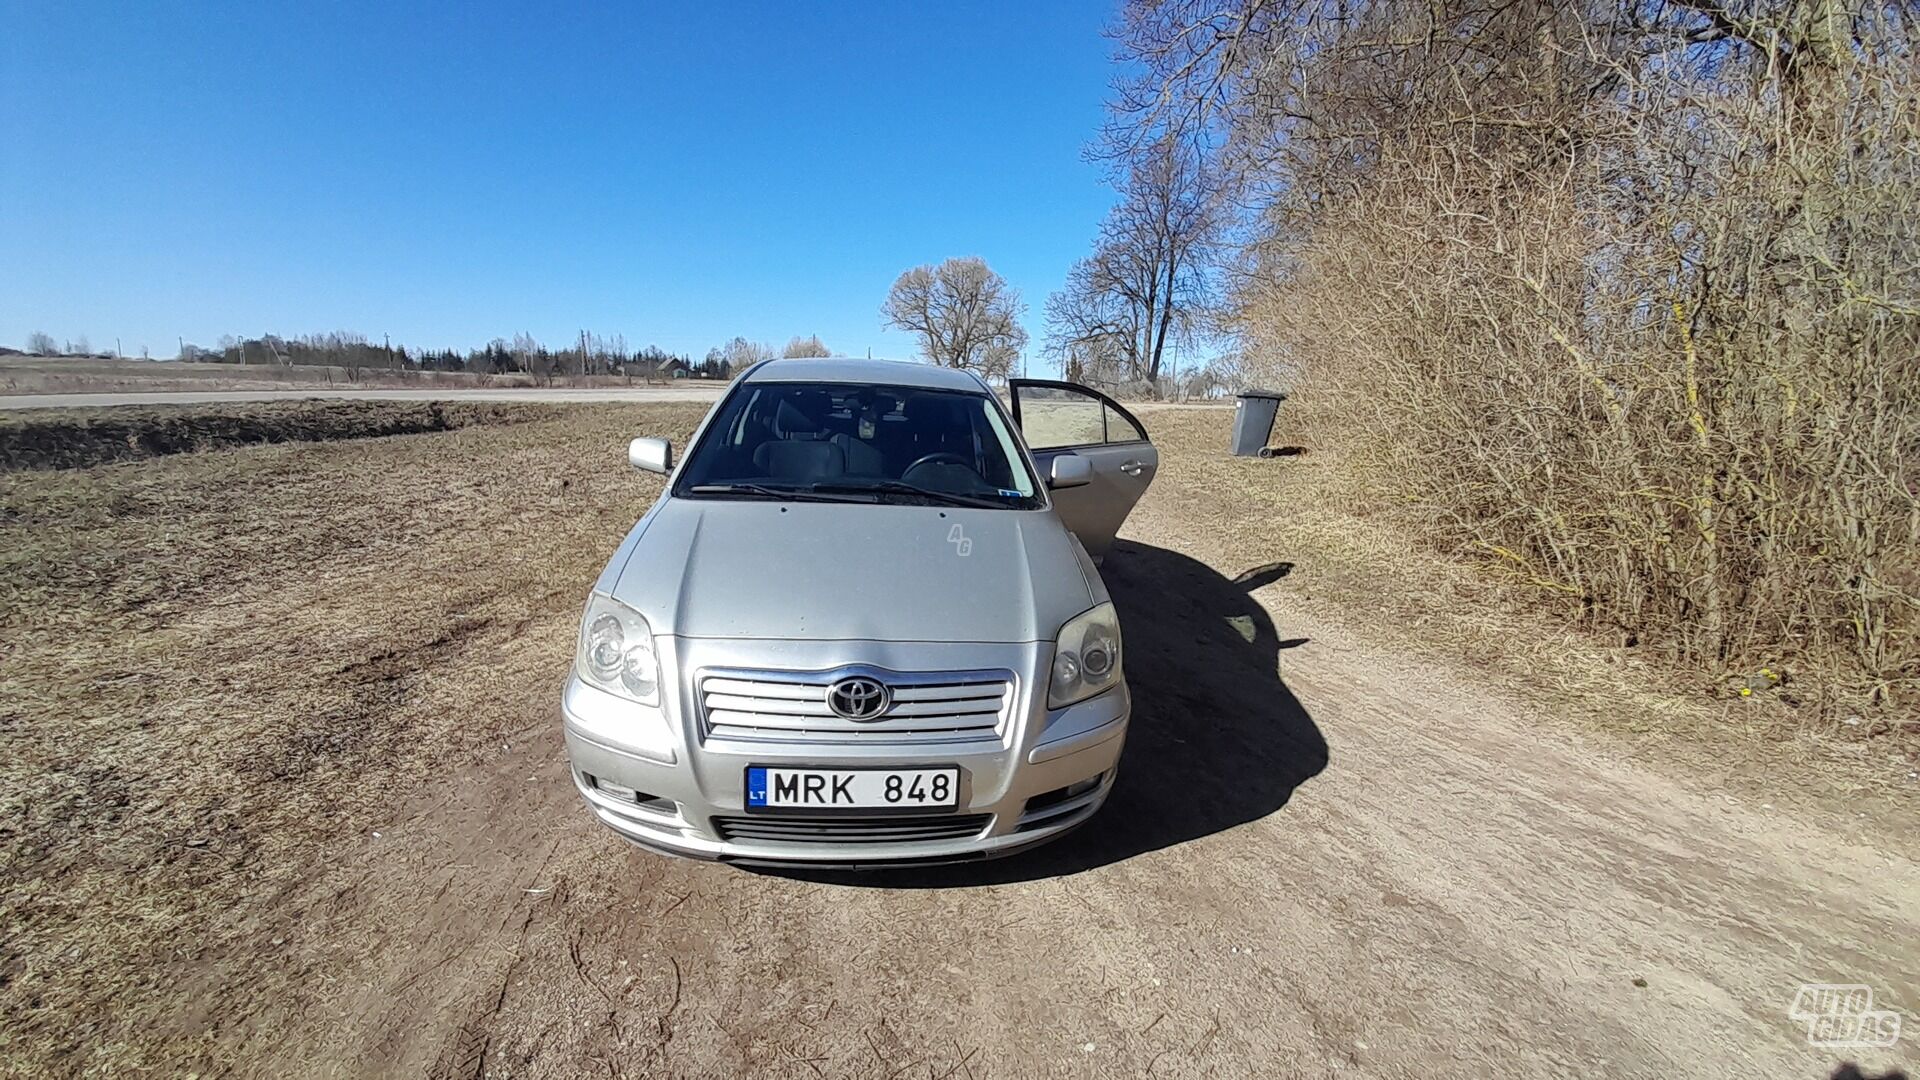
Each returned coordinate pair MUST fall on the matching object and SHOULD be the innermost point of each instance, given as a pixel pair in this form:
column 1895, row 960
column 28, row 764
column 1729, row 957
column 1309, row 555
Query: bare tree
column 811, row 345
column 1146, row 285
column 531, row 357
column 41, row 343
column 486, row 361
column 966, row 315
column 741, row 354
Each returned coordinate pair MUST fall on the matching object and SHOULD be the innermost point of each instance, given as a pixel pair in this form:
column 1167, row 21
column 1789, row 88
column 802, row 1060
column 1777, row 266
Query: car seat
column 800, row 449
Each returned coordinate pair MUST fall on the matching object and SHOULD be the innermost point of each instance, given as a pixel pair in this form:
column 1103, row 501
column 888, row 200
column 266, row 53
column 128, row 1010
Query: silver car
column 863, row 624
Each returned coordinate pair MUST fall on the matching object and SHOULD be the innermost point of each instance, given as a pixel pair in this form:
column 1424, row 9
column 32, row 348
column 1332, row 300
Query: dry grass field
column 217, row 664
column 283, row 795
column 91, row 375
column 88, row 375
column 79, row 437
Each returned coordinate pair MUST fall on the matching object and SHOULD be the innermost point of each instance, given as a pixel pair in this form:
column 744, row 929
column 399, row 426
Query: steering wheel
column 942, row 457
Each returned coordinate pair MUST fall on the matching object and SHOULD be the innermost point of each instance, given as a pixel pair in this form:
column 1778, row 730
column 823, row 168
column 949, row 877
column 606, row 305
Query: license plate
column 777, row 788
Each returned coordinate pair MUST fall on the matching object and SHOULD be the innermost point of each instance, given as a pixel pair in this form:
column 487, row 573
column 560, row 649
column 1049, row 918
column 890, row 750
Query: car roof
column 846, row 369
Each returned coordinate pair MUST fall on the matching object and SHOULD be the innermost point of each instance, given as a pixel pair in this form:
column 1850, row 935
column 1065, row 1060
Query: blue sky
column 448, row 175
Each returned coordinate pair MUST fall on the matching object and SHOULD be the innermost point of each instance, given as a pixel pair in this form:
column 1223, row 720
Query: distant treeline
column 589, row 354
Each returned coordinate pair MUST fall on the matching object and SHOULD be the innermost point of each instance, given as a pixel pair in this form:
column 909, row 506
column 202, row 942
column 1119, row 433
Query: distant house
column 644, row 368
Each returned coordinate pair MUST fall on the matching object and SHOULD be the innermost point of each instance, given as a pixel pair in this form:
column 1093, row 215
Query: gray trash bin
column 1253, row 421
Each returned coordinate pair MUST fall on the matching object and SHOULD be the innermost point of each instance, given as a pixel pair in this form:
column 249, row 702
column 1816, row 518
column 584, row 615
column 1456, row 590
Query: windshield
column 872, row 443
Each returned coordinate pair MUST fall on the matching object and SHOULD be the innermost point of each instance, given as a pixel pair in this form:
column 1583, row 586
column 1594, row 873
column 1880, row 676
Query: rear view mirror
column 1069, row 470
column 650, row 455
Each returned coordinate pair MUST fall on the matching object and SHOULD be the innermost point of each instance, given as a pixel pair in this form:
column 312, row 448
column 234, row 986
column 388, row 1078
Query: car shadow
column 1217, row 739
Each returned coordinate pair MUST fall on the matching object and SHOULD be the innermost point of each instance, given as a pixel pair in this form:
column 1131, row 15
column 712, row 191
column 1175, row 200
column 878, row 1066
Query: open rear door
column 1066, row 418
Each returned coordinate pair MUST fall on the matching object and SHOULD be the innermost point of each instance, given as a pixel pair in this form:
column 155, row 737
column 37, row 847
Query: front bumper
column 662, row 780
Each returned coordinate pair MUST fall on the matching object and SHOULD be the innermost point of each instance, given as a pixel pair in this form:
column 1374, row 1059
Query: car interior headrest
column 800, row 414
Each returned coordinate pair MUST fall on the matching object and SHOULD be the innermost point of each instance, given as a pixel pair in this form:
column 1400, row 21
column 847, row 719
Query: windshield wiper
column 901, row 487
column 765, row 491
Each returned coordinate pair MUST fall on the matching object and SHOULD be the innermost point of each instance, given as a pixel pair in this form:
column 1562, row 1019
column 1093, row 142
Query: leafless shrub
column 1146, row 284
column 811, row 345
column 1625, row 300
column 739, row 354
column 531, row 357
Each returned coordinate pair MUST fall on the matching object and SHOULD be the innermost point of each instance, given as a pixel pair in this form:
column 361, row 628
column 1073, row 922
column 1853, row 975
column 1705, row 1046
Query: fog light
column 615, row 791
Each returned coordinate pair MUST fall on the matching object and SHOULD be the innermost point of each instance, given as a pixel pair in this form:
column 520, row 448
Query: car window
column 845, row 436
column 1120, row 428
column 1052, row 417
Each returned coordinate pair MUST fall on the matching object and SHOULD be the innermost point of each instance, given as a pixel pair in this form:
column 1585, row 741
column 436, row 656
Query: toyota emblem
column 859, row 698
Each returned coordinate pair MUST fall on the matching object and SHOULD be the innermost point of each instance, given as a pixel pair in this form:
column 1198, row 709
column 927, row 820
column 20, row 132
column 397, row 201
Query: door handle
column 1131, row 468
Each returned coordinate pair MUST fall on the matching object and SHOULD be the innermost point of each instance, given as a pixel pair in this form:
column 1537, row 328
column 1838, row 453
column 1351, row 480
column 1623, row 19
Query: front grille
column 941, row 706
column 851, row 830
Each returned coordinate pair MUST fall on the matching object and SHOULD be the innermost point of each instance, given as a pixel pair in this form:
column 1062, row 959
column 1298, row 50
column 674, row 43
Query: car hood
column 714, row 568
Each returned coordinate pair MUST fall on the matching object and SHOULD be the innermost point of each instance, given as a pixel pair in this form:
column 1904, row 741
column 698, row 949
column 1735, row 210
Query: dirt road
column 1325, row 856
column 1321, row 858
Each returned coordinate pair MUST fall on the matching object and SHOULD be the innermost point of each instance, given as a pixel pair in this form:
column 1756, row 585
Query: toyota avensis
column 863, row 624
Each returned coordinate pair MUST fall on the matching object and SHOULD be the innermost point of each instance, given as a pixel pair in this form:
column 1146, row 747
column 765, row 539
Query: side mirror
column 650, row 455
column 1068, row 471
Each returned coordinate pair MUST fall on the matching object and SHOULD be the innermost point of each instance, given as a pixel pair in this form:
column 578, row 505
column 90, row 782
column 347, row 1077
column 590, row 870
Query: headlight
column 1086, row 659
column 616, row 651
